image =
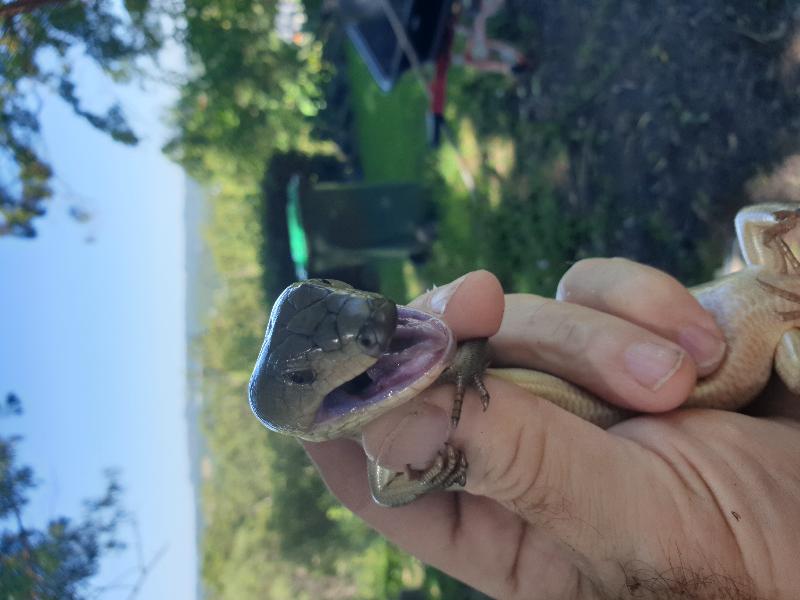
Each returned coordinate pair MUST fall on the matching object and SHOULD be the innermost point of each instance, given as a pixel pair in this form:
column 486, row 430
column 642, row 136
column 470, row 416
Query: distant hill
column 201, row 283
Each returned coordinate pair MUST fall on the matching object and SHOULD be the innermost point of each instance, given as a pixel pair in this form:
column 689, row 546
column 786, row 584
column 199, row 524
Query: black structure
column 424, row 21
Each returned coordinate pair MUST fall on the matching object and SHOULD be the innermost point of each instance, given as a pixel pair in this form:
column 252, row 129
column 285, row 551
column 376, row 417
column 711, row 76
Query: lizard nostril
column 367, row 340
column 376, row 332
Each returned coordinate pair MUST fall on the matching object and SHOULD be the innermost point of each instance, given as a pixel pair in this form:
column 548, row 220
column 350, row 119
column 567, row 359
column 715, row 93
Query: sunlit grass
column 392, row 139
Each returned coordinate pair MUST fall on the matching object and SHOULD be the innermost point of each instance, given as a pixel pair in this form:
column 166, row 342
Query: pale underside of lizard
column 335, row 358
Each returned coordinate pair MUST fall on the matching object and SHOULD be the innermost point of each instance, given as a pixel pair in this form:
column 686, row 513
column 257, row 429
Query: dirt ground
column 676, row 113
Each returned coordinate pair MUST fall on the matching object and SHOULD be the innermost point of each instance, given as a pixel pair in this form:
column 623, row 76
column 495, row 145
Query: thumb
column 554, row 469
column 412, row 434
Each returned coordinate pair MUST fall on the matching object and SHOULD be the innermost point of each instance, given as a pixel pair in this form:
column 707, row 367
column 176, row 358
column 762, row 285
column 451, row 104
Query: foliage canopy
column 38, row 49
column 249, row 92
column 58, row 560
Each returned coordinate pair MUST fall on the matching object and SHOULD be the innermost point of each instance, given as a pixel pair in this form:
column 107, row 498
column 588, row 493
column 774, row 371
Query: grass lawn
column 390, row 127
column 487, row 216
column 393, row 147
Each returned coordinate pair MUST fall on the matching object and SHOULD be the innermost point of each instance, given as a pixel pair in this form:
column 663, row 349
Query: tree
column 39, row 41
column 250, row 93
column 57, row 561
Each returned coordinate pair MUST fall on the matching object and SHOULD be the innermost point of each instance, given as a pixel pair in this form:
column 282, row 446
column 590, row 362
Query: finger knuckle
column 559, row 330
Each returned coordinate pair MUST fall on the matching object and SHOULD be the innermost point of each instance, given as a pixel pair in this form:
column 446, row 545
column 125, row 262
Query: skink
column 335, row 358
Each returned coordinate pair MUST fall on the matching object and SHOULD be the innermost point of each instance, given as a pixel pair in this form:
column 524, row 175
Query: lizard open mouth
column 419, row 350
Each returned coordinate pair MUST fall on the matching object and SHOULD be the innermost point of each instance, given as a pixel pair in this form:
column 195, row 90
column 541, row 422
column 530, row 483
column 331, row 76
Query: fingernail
column 652, row 364
column 702, row 345
column 441, row 296
column 560, row 293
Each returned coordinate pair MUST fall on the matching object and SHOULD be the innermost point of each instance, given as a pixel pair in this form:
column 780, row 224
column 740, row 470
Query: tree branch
column 25, row 6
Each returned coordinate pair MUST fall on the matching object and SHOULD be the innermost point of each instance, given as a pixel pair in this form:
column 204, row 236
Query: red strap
column 439, row 82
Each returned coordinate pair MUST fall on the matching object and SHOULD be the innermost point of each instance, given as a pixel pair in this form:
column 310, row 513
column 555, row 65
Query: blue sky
column 92, row 336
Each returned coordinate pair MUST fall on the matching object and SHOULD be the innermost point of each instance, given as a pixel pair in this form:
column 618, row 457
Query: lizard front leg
column 449, row 468
column 468, row 367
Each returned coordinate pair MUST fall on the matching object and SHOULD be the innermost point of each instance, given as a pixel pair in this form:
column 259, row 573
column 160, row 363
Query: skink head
column 321, row 332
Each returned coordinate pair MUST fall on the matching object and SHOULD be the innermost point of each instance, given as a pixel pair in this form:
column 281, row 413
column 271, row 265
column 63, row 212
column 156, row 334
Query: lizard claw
column 458, row 401
column 468, row 367
column 477, row 381
column 449, row 469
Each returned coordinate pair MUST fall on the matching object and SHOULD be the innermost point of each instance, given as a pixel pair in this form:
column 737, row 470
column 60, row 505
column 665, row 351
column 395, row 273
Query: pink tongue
column 410, row 434
column 395, row 368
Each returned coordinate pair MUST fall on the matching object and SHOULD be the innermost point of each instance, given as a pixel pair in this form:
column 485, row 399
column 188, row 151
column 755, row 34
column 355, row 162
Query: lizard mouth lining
column 417, row 353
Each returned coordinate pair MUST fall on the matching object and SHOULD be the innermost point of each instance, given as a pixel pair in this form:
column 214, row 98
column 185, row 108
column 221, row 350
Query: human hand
column 697, row 502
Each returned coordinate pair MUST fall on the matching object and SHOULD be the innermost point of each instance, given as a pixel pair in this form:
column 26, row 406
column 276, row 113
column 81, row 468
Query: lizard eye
column 301, row 377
